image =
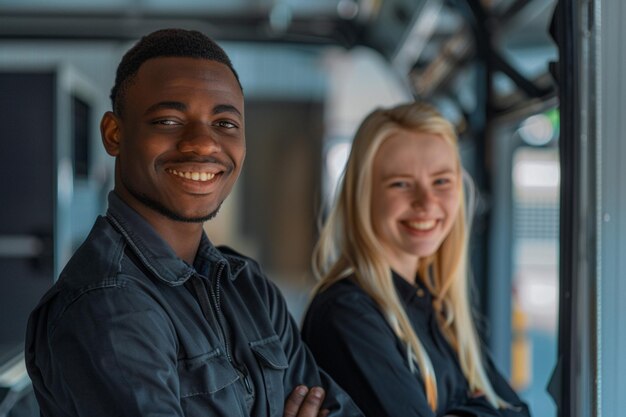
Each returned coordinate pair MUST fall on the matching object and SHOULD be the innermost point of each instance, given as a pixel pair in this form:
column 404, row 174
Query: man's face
column 180, row 142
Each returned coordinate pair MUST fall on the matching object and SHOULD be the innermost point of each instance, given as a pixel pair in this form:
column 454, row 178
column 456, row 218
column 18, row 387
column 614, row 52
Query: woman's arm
column 351, row 340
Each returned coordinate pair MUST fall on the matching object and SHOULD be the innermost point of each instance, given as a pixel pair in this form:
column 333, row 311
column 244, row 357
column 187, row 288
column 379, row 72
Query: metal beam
column 527, row 86
column 513, row 10
column 251, row 27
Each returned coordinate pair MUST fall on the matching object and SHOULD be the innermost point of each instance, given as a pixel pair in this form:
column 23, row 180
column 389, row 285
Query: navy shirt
column 352, row 341
column 130, row 329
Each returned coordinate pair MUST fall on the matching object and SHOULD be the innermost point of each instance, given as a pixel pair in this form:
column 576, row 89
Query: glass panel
column 535, row 271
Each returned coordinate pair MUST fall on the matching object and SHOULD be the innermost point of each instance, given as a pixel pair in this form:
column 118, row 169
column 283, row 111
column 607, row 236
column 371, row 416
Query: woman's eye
column 442, row 181
column 399, row 184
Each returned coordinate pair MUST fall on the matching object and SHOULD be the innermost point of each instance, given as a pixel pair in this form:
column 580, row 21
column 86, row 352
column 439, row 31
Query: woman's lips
column 422, row 225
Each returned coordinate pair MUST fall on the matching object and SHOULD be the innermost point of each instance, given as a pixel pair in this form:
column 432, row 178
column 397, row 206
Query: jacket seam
column 101, row 285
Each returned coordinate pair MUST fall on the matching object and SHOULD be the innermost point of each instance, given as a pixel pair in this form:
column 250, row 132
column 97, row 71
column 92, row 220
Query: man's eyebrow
column 226, row 108
column 172, row 105
column 177, row 105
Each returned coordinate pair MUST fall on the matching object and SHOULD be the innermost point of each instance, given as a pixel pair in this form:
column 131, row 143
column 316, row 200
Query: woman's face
column 415, row 197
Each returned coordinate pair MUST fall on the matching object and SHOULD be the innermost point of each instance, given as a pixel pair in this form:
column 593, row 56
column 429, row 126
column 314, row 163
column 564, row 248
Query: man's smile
column 193, row 175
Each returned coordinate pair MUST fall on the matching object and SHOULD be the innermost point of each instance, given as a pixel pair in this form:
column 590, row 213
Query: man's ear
column 110, row 130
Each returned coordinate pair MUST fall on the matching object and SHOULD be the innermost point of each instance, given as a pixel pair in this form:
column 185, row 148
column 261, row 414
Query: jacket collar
column 412, row 293
column 156, row 255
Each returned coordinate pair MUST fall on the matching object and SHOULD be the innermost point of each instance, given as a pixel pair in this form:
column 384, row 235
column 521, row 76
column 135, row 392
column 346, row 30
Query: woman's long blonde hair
column 348, row 245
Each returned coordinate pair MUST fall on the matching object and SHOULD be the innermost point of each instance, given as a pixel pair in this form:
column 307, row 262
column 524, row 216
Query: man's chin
column 172, row 214
column 185, row 217
column 191, row 219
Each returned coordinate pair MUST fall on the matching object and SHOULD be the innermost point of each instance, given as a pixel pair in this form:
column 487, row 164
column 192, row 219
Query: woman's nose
column 423, row 198
column 199, row 138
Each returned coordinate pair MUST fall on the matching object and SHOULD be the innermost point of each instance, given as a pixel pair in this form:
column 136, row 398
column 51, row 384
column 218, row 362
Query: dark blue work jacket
column 129, row 329
column 351, row 339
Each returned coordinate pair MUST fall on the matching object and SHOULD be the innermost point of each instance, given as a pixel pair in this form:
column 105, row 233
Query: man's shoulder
column 94, row 265
column 240, row 264
column 248, row 275
column 98, row 257
column 230, row 252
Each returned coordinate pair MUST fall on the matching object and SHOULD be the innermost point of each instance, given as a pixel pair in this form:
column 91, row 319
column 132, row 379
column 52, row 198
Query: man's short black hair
column 164, row 43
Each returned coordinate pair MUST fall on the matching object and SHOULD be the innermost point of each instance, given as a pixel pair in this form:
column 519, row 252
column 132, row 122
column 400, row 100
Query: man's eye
column 226, row 124
column 166, row 122
column 442, row 181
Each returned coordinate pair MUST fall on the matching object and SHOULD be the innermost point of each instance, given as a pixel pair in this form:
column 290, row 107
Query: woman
column 390, row 319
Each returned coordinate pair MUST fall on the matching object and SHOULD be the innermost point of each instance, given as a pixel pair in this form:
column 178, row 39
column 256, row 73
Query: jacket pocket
column 207, row 385
column 273, row 361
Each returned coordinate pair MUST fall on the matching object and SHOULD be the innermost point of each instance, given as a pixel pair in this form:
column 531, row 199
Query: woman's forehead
column 404, row 149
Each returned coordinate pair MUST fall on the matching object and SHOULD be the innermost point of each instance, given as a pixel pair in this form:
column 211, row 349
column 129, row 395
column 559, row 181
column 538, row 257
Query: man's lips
column 201, row 176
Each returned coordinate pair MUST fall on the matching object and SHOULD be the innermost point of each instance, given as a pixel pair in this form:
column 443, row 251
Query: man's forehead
column 171, row 78
column 172, row 66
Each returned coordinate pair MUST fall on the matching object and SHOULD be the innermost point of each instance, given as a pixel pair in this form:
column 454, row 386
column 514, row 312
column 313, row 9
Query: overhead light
column 537, row 130
column 347, row 9
column 280, row 17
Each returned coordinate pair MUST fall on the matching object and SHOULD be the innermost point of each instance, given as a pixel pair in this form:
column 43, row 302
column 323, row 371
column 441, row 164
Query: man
column 148, row 318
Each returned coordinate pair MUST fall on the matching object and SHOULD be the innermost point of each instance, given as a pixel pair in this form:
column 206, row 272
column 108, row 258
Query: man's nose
column 199, row 138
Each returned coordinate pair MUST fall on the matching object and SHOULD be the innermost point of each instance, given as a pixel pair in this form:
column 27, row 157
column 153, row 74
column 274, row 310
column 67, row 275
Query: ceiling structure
column 442, row 46
column 484, row 60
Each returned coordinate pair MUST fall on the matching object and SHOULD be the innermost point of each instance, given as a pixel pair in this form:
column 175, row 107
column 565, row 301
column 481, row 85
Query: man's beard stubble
column 160, row 208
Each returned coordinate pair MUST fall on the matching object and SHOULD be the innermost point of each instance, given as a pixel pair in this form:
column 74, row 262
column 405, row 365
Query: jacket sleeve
column 112, row 353
column 479, row 406
column 302, row 367
column 517, row 408
column 352, row 341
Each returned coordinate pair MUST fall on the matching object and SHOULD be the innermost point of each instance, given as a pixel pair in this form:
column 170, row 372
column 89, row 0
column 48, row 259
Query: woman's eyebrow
column 445, row 171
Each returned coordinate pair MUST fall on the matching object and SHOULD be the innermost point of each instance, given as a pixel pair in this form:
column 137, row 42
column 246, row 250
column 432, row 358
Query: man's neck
column 184, row 238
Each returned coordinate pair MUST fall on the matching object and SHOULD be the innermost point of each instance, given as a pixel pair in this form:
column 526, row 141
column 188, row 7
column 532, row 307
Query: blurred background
column 311, row 70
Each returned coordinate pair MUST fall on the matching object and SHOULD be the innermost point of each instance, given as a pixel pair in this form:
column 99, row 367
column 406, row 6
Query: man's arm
column 302, row 368
column 305, row 402
column 110, row 353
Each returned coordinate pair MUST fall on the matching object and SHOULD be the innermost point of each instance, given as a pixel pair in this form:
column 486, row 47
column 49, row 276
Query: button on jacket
column 352, row 341
column 129, row 329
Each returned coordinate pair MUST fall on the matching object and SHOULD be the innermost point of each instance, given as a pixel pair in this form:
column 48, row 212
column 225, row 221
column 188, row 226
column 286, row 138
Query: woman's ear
column 110, row 130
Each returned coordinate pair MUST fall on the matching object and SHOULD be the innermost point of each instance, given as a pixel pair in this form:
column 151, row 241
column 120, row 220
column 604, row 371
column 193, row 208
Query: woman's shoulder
column 345, row 295
column 343, row 311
